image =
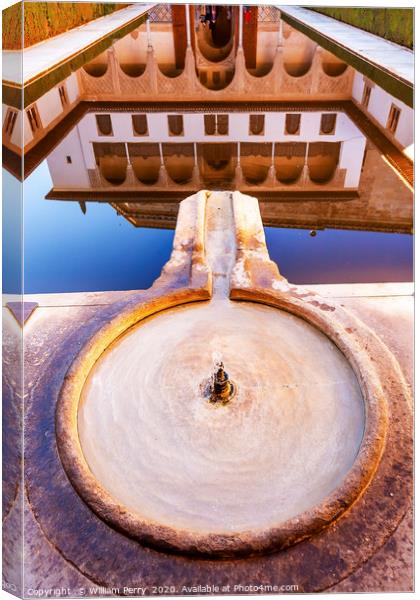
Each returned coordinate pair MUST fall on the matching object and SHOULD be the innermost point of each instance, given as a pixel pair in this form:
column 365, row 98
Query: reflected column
column 188, row 24
column 148, row 33
column 130, row 179
column 280, row 33
column 189, row 65
column 271, row 179
column 304, row 178
column 196, row 179
column 241, row 26
column 163, row 176
column 239, row 180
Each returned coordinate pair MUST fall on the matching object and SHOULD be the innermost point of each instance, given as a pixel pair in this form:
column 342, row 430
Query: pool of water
column 341, row 255
column 68, row 251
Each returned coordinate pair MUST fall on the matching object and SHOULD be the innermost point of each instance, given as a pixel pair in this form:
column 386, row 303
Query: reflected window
column 176, row 124
column 256, row 124
column 366, row 94
column 393, row 118
column 210, row 124
column 222, row 124
column 328, row 122
column 203, row 77
column 9, row 122
column 292, row 126
column 33, row 118
column 139, row 124
column 63, row 96
column 216, row 124
column 104, row 124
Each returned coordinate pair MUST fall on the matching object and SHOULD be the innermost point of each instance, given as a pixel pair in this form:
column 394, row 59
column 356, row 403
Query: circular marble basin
column 197, row 476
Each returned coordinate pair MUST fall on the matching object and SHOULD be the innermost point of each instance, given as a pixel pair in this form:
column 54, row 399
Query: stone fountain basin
column 154, row 458
column 294, row 448
column 284, row 442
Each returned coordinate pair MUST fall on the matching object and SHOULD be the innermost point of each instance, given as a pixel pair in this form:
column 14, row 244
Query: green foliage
column 35, row 22
column 43, row 20
column 393, row 24
column 12, row 27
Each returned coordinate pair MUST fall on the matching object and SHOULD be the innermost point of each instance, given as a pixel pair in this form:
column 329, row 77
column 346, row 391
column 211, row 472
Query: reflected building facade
column 181, row 100
column 309, row 168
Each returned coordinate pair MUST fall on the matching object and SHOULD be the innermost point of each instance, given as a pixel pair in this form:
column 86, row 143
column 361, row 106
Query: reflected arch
column 323, row 158
column 215, row 36
column 98, row 66
column 298, row 54
column 111, row 159
column 289, row 160
column 145, row 161
column 255, row 161
column 131, row 55
column 179, row 161
column 217, row 162
column 331, row 65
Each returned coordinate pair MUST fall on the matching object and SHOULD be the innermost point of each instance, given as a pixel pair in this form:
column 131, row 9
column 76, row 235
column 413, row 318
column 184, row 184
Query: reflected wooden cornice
column 302, row 210
column 119, row 196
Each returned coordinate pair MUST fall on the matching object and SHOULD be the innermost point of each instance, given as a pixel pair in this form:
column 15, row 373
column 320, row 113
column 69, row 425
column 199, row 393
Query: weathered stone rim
column 247, row 543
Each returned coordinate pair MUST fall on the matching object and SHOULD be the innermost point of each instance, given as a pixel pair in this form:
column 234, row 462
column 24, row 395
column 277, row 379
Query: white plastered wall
column 353, row 141
column 16, row 137
column 238, row 129
column 49, row 108
column 69, row 175
column 72, row 85
column 351, row 159
column 379, row 106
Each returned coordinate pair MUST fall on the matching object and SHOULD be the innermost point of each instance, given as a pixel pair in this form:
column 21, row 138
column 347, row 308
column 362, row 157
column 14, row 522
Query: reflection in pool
column 68, row 251
column 340, row 255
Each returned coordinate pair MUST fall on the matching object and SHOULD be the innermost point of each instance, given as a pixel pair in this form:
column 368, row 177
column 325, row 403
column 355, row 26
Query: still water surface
column 68, row 251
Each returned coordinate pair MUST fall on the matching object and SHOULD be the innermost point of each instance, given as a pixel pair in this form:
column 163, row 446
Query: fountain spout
column 221, row 383
column 221, row 388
